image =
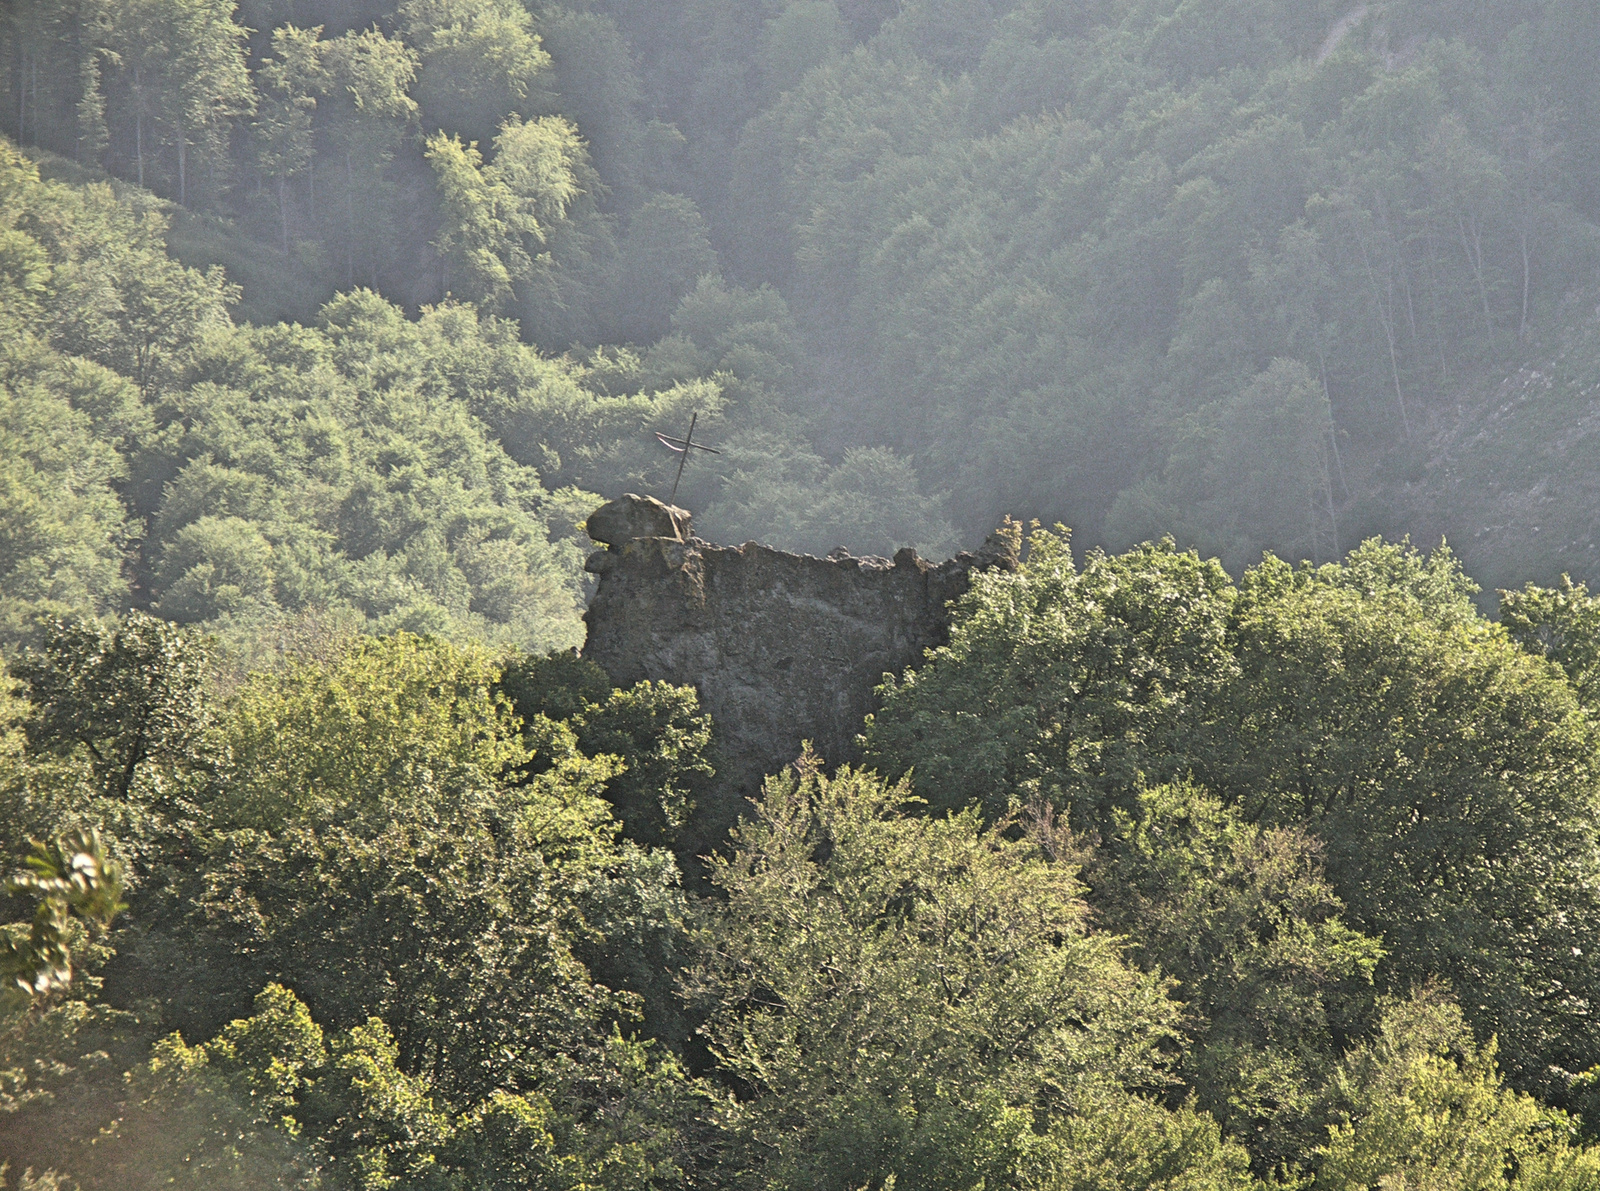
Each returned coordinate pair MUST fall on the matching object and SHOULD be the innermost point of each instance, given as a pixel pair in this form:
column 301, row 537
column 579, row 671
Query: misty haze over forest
column 1260, row 276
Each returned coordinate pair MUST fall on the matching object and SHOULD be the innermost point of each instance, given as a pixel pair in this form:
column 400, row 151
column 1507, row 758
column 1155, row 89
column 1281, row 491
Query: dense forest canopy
column 1241, row 849
column 1168, row 882
column 1253, row 274
column 1262, row 274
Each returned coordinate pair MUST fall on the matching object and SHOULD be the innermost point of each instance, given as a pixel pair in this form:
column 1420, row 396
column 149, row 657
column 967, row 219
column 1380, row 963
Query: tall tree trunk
column 1527, row 274
column 1475, row 259
column 1386, row 319
column 283, row 210
column 138, row 123
column 1333, row 429
column 183, row 167
column 1333, row 517
column 1438, row 314
column 350, row 213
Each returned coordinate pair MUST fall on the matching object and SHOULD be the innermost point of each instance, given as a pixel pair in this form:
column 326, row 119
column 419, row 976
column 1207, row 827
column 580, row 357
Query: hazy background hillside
column 1263, row 275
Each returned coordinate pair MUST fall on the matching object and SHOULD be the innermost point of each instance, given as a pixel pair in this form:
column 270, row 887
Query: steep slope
column 1513, row 481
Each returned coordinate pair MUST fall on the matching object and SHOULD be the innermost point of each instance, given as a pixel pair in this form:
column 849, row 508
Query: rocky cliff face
column 782, row 648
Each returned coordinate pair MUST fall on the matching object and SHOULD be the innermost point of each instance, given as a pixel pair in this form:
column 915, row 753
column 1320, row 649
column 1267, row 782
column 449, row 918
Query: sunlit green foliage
column 914, row 997
column 1423, row 1102
column 366, row 832
column 1449, row 775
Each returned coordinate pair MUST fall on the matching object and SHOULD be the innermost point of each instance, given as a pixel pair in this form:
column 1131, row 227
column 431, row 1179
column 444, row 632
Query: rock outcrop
column 782, row 648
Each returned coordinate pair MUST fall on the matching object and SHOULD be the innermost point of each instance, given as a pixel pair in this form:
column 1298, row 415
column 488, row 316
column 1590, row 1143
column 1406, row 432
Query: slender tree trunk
column 1333, row 429
column 283, row 210
column 1429, row 257
column 1411, row 310
column 350, row 213
column 1312, row 517
column 1405, row 266
column 1386, row 318
column 1527, row 274
column 1475, row 260
column 183, row 167
column 138, row 124
column 1333, row 517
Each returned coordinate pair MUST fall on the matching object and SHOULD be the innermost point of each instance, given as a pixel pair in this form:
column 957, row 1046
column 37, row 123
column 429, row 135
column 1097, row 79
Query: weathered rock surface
column 628, row 517
column 782, row 648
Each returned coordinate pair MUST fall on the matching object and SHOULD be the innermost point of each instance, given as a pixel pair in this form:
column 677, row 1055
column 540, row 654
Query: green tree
column 494, row 214
column 212, row 567
column 292, row 80
column 72, row 877
column 130, row 695
column 370, row 113
column 62, row 527
column 806, row 34
column 1243, row 918
column 1425, row 1106
column 656, row 731
column 906, row 996
column 1450, row 775
column 1561, row 623
column 480, row 60
column 378, row 848
column 666, row 251
column 335, row 739
column 184, row 65
column 1065, row 686
column 1253, row 472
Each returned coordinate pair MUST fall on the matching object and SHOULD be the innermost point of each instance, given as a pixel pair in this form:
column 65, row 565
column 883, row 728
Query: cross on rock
column 683, row 446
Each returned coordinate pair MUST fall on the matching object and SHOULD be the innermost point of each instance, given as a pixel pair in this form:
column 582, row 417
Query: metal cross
column 683, row 446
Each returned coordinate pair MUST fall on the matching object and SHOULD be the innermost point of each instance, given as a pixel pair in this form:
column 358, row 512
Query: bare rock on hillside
column 782, row 648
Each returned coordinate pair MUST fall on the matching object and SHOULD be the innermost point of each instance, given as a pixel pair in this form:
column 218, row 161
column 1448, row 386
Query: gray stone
column 629, row 516
column 782, row 648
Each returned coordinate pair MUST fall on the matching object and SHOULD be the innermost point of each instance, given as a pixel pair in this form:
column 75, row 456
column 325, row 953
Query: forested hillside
column 1187, row 884
column 1182, row 867
column 1236, row 272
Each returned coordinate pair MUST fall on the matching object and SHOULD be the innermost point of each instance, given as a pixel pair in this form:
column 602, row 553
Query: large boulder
column 630, row 516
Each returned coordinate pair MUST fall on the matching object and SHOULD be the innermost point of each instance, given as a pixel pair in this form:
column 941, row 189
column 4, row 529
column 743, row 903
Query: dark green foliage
column 365, row 834
column 129, row 695
column 663, row 741
column 1450, row 776
column 1243, row 917
column 558, row 686
column 1177, row 880
column 654, row 730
